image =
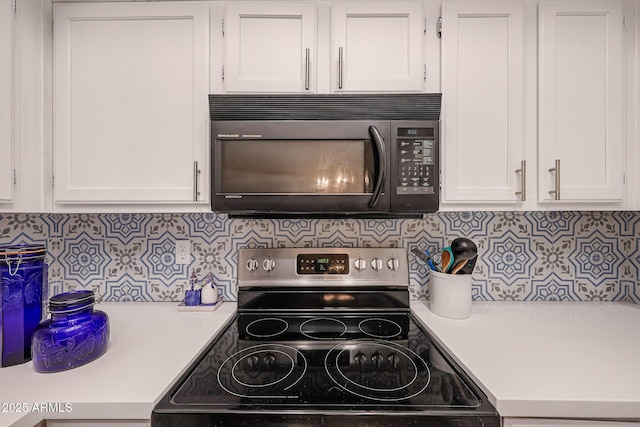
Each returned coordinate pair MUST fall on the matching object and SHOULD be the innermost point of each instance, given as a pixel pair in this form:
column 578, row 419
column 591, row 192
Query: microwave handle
column 381, row 165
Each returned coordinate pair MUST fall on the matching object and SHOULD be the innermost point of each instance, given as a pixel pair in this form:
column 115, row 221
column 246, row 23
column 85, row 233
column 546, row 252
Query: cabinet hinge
column 424, row 72
column 624, row 20
column 15, row 177
column 222, row 27
column 53, row 29
column 53, row 181
column 424, row 26
column 223, row 73
column 624, row 178
column 14, row 5
column 439, row 27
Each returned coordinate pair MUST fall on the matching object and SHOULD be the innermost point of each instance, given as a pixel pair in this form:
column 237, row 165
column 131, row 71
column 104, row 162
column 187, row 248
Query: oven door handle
column 381, row 165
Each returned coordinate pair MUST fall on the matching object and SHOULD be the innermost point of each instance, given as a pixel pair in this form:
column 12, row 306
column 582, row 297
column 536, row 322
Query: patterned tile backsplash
column 570, row 256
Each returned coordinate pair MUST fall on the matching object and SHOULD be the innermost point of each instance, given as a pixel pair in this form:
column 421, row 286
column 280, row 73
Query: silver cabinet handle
column 340, row 67
column 307, row 69
column 556, row 187
column 196, row 178
column 523, row 183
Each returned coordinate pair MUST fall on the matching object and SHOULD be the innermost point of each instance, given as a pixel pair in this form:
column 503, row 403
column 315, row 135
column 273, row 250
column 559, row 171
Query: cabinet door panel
column 483, row 89
column 581, row 100
column 266, row 47
column 381, row 46
column 6, row 102
column 130, row 101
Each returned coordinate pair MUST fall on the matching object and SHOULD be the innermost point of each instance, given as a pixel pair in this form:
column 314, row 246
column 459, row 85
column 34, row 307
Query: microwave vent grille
column 325, row 107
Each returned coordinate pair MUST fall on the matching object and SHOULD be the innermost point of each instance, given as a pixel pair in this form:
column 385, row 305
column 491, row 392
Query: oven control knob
column 393, row 264
column 360, row 359
column 376, row 264
column 269, row 360
column 268, row 264
column 252, row 264
column 377, row 359
column 253, row 361
column 393, row 360
column 360, row 264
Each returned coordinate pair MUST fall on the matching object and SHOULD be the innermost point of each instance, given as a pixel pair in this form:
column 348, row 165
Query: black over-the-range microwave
column 325, row 155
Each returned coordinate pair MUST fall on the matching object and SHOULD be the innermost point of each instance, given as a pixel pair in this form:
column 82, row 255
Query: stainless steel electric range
column 324, row 337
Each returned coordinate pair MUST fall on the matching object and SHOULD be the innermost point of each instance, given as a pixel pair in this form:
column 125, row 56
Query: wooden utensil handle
column 459, row 266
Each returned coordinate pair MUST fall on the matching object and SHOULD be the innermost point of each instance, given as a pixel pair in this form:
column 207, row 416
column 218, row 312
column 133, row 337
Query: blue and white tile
column 509, row 258
column 553, row 288
column 124, row 227
column 159, row 261
column 84, row 258
column 125, row 289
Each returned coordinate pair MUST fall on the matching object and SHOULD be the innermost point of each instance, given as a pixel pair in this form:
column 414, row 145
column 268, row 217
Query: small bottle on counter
column 192, row 297
column 209, row 293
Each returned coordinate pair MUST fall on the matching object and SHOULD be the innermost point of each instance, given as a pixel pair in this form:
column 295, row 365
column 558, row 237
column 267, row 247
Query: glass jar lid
column 21, row 251
column 71, row 301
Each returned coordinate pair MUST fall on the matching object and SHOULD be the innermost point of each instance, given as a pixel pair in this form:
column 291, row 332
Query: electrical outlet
column 183, row 252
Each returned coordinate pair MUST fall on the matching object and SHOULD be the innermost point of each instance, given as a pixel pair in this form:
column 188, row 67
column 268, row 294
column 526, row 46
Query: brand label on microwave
column 235, row 135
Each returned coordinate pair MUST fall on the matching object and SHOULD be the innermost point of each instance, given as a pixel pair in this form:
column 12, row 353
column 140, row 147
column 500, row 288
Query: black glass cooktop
column 319, row 367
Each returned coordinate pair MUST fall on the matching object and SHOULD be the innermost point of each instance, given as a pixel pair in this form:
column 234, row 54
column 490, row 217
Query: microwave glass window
column 290, row 166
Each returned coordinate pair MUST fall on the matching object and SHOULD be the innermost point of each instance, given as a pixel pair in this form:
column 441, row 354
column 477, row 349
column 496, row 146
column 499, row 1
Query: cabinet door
column 6, row 102
column 581, row 78
column 270, row 47
column 130, row 102
column 377, row 46
column 483, row 101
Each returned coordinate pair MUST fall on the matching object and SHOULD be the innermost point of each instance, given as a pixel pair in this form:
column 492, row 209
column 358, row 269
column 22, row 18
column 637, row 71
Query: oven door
column 315, row 166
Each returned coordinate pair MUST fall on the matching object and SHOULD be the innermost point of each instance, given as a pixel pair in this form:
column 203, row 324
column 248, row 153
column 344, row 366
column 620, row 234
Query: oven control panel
column 323, row 266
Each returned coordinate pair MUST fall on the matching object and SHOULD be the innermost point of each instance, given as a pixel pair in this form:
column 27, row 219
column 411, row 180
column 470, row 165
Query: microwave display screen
column 409, row 132
column 296, row 167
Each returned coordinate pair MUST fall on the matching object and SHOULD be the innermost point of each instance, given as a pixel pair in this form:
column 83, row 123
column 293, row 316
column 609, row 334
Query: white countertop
column 151, row 344
column 562, row 360
column 548, row 359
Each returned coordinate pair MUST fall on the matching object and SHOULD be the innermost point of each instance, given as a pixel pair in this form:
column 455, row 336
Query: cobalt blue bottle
column 23, row 286
column 75, row 335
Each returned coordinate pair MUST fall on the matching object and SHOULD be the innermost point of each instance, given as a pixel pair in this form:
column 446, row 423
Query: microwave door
column 333, row 170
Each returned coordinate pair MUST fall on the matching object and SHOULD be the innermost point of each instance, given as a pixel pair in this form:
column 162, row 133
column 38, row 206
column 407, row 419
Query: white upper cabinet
column 319, row 47
column 581, row 102
column 6, row 102
column 270, row 47
column 130, row 103
column 377, row 46
column 483, row 102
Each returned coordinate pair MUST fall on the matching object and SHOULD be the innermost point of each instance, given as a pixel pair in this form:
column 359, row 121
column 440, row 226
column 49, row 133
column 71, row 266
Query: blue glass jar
column 23, row 287
column 75, row 335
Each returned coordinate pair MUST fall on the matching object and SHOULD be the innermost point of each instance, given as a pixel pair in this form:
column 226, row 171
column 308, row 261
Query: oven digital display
column 323, row 264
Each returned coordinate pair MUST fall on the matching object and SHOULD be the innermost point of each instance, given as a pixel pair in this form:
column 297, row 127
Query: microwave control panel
column 417, row 171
